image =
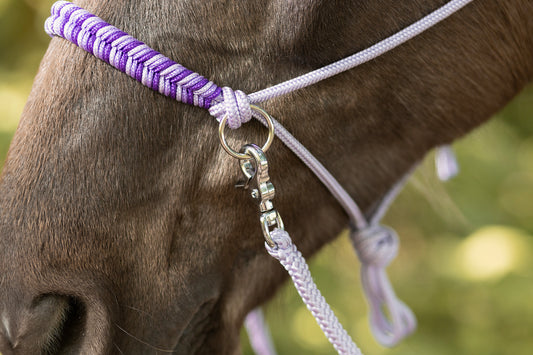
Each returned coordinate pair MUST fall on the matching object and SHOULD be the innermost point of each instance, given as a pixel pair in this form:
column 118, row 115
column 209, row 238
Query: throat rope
column 375, row 245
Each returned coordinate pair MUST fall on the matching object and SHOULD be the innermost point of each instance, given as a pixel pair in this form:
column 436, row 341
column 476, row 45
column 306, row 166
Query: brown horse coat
column 120, row 229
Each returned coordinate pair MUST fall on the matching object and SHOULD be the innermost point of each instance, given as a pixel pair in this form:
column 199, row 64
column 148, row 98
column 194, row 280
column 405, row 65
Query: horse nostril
column 64, row 334
column 49, row 325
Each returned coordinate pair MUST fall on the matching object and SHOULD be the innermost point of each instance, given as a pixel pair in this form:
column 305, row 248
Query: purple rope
column 360, row 57
column 390, row 319
column 169, row 78
column 130, row 55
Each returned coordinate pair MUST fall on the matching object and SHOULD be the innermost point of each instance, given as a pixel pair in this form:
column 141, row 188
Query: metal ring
column 230, row 150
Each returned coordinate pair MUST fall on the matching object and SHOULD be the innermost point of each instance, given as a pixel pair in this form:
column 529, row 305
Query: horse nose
column 38, row 326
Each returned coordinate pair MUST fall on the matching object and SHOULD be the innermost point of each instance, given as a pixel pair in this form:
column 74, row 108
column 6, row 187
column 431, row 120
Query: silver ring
column 230, row 150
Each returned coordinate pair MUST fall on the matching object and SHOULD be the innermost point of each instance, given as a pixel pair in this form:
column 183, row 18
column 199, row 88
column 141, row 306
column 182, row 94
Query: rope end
column 446, row 163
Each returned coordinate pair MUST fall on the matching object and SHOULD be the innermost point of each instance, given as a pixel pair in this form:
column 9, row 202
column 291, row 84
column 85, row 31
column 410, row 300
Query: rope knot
column 235, row 105
column 376, row 245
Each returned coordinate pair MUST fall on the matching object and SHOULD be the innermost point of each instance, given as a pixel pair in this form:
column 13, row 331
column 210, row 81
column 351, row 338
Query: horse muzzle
column 53, row 324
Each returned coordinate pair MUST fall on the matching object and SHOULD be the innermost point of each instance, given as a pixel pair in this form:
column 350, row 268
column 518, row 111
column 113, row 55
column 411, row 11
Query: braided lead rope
column 258, row 333
column 293, row 261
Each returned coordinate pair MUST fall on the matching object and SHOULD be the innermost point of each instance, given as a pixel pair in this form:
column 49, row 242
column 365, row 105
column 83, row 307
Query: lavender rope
column 361, row 57
column 376, row 247
column 293, row 261
column 260, row 338
column 172, row 79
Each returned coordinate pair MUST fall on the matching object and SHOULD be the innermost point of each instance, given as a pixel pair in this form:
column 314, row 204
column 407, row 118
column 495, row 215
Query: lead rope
column 293, row 261
column 376, row 285
column 159, row 73
column 279, row 244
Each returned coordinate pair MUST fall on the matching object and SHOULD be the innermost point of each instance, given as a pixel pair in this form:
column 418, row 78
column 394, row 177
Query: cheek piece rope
column 375, row 245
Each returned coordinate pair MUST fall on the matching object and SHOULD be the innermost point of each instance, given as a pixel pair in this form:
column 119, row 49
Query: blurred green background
column 466, row 259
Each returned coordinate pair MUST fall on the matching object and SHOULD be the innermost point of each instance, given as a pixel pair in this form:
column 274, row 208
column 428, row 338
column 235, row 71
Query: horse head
column 120, row 227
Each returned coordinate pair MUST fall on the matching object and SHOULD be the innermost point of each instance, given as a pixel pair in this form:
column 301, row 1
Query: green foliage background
column 466, row 260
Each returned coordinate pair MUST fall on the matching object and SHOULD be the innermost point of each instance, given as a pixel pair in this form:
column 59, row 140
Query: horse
column 120, row 228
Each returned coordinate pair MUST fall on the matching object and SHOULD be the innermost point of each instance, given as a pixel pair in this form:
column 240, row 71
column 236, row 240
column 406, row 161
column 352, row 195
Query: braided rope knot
column 235, row 105
column 376, row 245
column 390, row 319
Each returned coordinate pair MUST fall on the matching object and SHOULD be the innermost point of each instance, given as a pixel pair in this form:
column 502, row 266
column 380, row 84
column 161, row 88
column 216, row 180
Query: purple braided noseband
column 160, row 73
column 375, row 245
column 130, row 55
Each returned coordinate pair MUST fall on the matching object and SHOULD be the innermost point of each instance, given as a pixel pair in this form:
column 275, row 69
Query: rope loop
column 390, row 319
column 235, row 105
column 376, row 245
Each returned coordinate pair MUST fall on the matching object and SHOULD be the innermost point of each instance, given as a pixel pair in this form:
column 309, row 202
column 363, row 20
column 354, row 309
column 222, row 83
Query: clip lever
column 255, row 170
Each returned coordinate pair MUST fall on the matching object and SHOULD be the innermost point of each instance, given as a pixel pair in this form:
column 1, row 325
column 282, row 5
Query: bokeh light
column 491, row 253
